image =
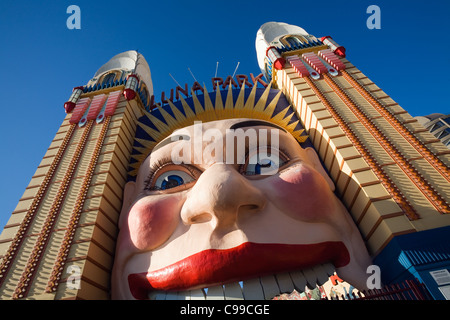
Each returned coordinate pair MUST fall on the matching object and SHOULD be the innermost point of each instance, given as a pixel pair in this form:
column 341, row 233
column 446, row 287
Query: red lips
column 248, row 260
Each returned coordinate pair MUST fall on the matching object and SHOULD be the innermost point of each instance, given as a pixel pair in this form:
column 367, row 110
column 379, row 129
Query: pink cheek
column 152, row 222
column 302, row 193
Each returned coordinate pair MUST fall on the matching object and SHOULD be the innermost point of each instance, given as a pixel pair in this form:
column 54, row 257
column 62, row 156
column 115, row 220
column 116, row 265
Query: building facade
column 390, row 172
column 438, row 124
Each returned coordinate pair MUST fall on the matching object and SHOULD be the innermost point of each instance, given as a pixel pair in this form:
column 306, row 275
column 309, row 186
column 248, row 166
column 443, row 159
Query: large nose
column 221, row 194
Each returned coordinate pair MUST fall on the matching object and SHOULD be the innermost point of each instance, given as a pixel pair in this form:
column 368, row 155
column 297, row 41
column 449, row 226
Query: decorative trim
column 396, row 194
column 96, row 106
column 421, row 183
column 23, row 286
column 424, row 256
column 413, row 141
column 331, row 58
column 96, row 91
column 79, row 110
column 25, row 225
column 63, row 253
column 301, row 51
column 313, row 60
column 112, row 102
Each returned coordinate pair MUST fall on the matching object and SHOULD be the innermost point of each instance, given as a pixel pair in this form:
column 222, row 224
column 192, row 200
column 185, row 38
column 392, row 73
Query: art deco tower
column 390, row 172
column 60, row 239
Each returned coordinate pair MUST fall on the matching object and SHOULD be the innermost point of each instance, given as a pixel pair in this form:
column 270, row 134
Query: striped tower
column 390, row 172
column 60, row 239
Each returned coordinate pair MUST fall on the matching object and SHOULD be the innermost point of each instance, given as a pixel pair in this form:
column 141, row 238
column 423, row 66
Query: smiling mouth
column 248, row 271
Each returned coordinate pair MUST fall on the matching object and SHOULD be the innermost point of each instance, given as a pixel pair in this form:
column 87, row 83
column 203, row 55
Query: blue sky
column 42, row 60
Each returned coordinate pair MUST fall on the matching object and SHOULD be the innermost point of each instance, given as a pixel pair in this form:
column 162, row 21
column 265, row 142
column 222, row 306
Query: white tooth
column 321, row 274
column 215, row 293
column 270, row 287
column 310, row 277
column 329, row 268
column 198, row 294
column 233, row 291
column 285, row 282
column 299, row 280
column 252, row 290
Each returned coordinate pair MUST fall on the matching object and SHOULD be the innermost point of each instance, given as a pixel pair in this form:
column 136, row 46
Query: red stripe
column 332, row 59
column 314, row 62
column 96, row 106
column 298, row 66
column 79, row 110
column 112, row 102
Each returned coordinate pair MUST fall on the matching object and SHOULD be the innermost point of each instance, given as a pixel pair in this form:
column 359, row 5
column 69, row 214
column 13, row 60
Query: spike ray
column 259, row 107
column 229, row 103
column 250, row 103
column 199, row 112
column 161, row 126
column 219, row 103
column 154, row 134
column 240, row 102
column 133, row 172
column 271, row 107
column 142, row 150
column 179, row 116
column 291, row 127
column 171, row 122
column 298, row 136
column 187, row 110
column 281, row 117
column 209, row 108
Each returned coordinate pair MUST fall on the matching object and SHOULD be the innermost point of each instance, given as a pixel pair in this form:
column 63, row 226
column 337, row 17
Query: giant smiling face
column 185, row 227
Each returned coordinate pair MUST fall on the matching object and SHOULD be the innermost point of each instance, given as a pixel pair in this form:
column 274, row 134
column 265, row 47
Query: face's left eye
column 258, row 166
column 172, row 179
column 260, row 163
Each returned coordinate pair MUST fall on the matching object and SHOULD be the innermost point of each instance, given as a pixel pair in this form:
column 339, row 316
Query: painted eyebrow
column 171, row 139
column 254, row 123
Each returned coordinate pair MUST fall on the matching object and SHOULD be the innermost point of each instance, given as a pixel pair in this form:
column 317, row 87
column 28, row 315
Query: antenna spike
column 192, row 75
column 235, row 69
column 217, row 67
column 174, row 80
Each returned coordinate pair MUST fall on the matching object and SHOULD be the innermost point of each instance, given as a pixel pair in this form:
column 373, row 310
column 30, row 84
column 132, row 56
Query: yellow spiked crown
column 257, row 103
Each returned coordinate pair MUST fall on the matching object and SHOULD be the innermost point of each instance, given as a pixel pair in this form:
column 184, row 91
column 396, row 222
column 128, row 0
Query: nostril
column 199, row 218
column 249, row 207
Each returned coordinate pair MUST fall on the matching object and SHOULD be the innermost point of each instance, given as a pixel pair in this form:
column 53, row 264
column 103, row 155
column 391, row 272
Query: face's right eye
column 171, row 176
column 172, row 179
